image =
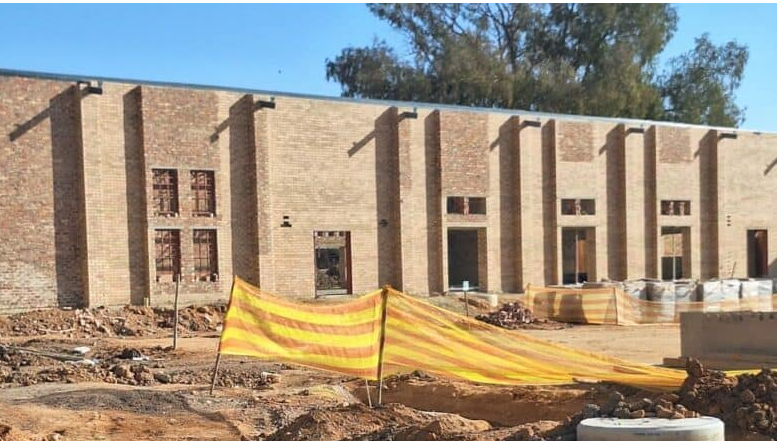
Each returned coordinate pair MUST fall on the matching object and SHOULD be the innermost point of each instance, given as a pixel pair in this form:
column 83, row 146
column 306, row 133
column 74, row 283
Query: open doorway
column 466, row 258
column 757, row 253
column 332, row 255
column 578, row 255
column 676, row 254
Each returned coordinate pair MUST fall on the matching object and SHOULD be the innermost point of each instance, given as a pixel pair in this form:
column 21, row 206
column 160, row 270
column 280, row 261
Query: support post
column 382, row 342
column 215, row 373
column 367, row 387
column 615, row 299
column 175, row 313
column 218, row 354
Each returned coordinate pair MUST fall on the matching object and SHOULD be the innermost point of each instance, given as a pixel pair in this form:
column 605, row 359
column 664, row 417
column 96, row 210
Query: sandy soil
column 644, row 343
column 304, row 405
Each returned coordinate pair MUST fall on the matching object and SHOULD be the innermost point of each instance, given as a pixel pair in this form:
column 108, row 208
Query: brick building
column 111, row 188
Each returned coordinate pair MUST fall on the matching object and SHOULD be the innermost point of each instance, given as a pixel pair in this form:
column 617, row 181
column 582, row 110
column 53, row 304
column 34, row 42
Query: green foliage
column 596, row 59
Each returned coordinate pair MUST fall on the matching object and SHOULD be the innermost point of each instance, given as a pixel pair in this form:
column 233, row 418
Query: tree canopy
column 594, row 59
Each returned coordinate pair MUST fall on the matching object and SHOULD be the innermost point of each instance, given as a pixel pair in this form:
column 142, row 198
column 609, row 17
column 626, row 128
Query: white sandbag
column 685, row 291
column 636, row 289
column 764, row 288
column 719, row 295
column 663, row 297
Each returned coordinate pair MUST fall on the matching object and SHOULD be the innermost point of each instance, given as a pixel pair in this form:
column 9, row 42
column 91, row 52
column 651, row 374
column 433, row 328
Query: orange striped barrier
column 611, row 305
column 387, row 332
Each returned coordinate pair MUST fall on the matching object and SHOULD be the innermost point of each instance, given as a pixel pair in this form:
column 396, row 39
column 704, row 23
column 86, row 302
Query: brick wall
column 78, row 218
column 43, row 250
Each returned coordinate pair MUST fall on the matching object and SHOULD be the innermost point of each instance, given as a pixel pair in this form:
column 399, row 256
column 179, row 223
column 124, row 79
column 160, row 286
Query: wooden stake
column 218, row 354
column 382, row 344
column 215, row 372
column 615, row 298
column 175, row 308
column 367, row 386
column 466, row 303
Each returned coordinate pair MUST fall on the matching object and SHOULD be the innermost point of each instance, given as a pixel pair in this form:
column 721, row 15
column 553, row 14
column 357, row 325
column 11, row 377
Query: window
column 575, row 207
column 203, row 193
column 167, row 252
column 165, row 185
column 332, row 256
column 466, row 205
column 676, row 208
column 205, row 255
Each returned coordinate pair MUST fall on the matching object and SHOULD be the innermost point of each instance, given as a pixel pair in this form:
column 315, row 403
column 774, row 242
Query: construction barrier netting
column 611, row 305
column 387, row 332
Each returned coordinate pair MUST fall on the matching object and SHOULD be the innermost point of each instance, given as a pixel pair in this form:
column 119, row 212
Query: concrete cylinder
column 651, row 429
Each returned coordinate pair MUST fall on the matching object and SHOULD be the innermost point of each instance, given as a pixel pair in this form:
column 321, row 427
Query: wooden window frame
column 167, row 253
column 466, row 205
column 203, row 186
column 205, row 254
column 675, row 207
column 578, row 207
column 165, row 191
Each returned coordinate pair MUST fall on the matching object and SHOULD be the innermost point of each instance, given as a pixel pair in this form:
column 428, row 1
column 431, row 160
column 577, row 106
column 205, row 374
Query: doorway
column 676, row 254
column 466, row 258
column 578, row 255
column 332, row 257
column 757, row 253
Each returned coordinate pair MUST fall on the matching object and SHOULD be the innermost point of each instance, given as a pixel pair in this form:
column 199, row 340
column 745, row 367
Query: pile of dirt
column 126, row 321
column 747, row 401
column 393, row 422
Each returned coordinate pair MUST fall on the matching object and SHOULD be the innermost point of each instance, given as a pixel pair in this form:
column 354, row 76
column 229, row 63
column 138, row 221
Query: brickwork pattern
column 78, row 224
column 575, row 142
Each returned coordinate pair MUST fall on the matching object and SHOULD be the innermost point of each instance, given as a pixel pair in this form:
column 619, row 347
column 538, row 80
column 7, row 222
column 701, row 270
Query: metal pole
column 382, row 344
column 215, row 372
column 175, row 314
column 466, row 302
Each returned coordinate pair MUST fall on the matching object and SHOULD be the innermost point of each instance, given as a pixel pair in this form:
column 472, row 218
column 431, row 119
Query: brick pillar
column 535, row 178
column 636, row 197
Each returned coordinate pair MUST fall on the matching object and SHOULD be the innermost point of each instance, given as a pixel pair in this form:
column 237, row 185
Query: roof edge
column 452, row 107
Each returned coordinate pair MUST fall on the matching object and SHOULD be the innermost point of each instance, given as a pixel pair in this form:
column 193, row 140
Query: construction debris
column 513, row 315
column 747, row 401
column 133, row 321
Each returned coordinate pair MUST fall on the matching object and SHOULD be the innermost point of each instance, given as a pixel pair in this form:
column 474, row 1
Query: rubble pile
column 127, row 321
column 747, row 401
column 509, row 316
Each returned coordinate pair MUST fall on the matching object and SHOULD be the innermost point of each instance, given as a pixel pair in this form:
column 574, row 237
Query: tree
column 597, row 59
column 701, row 85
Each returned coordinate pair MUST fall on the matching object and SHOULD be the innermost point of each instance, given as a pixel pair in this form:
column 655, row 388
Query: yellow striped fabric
column 614, row 306
column 340, row 337
column 346, row 338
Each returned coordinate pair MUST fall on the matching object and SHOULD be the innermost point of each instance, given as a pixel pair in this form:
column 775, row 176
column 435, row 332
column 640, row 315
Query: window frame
column 167, row 247
column 203, row 193
column 205, row 263
column 164, row 185
column 672, row 207
column 578, row 206
column 462, row 205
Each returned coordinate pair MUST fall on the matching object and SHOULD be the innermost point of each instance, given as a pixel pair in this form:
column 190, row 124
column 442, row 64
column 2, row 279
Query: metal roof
column 404, row 104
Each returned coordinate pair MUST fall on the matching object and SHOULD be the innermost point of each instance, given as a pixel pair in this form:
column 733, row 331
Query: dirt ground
column 163, row 395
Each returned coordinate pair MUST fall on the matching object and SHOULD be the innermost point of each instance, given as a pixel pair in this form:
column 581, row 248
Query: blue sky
column 284, row 47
